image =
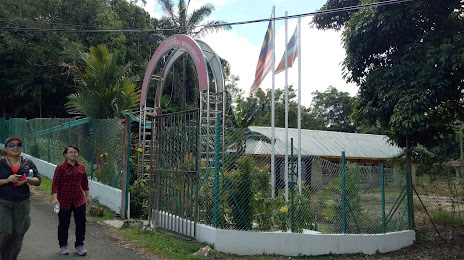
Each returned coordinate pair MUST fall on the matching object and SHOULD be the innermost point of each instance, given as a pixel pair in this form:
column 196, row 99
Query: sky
column 321, row 52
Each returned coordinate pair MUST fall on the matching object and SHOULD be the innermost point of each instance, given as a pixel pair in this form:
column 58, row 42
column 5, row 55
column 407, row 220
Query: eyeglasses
column 73, row 152
column 13, row 145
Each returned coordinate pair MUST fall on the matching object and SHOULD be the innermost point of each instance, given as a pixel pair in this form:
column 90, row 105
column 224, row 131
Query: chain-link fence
column 100, row 142
column 322, row 196
column 439, row 197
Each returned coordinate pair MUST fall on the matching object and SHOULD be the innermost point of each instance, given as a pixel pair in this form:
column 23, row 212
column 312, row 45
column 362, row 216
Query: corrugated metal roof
column 325, row 143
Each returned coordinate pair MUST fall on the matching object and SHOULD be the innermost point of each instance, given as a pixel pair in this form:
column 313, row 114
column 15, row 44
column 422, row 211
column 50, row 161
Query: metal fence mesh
column 239, row 195
column 100, row 143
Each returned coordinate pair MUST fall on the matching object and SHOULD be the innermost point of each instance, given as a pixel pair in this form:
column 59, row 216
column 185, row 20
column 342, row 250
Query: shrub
column 241, row 214
column 139, row 198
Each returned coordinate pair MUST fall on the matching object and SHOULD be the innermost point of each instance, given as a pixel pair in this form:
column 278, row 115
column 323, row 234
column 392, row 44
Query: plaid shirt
column 69, row 182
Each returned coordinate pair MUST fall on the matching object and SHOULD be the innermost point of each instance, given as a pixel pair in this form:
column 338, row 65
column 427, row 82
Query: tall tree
column 407, row 60
column 104, row 89
column 309, row 119
column 335, row 107
column 29, row 67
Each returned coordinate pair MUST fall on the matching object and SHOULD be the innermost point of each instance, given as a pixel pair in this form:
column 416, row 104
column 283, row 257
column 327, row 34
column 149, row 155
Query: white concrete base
column 293, row 244
column 174, row 223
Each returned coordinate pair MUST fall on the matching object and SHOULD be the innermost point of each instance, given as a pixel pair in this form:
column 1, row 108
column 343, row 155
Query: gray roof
column 325, row 143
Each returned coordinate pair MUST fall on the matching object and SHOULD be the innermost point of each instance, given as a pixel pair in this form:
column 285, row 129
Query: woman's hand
column 22, row 180
column 88, row 199
column 13, row 178
column 55, row 201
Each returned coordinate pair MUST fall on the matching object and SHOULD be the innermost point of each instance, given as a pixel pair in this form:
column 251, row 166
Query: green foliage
column 38, row 148
column 45, row 185
column 260, row 98
column 206, row 205
column 188, row 23
column 444, row 217
column 241, row 215
column 104, row 88
column 239, row 121
column 139, row 198
column 166, row 245
column 331, row 200
column 275, row 214
column 335, row 107
column 407, row 60
column 29, row 67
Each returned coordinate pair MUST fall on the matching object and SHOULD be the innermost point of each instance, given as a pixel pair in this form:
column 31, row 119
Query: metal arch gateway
column 174, row 144
column 181, row 44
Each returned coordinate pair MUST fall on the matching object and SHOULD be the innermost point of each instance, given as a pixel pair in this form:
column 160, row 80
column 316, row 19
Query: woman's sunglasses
column 13, row 145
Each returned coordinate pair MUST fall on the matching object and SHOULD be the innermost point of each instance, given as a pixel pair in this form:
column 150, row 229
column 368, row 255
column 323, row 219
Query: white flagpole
column 273, row 107
column 298, row 48
column 286, row 111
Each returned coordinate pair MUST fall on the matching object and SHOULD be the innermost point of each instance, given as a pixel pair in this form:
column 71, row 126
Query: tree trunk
column 409, row 185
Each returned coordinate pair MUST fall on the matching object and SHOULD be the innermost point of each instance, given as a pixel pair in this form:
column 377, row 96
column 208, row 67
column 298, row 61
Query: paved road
column 41, row 240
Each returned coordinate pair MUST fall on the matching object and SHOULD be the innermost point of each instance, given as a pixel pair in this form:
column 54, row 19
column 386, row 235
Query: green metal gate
column 174, row 171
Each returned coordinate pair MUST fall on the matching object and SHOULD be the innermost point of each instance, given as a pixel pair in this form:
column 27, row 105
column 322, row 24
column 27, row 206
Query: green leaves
column 104, row 88
column 408, row 62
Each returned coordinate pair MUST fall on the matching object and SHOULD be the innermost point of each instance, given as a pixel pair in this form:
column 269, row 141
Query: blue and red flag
column 265, row 59
column 292, row 53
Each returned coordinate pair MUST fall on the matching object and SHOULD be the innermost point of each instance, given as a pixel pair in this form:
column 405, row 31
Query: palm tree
column 189, row 24
column 104, row 88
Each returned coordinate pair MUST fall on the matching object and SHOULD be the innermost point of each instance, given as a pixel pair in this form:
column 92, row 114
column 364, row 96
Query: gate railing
column 174, row 167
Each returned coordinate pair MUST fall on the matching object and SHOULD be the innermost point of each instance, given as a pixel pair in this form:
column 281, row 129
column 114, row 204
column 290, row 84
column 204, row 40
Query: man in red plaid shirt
column 68, row 188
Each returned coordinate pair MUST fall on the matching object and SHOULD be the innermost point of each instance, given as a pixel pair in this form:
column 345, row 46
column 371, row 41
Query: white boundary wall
column 293, row 244
column 106, row 195
column 290, row 244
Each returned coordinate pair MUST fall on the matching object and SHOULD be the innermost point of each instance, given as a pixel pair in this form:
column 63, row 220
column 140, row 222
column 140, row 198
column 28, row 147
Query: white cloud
column 152, row 7
column 322, row 54
column 195, row 4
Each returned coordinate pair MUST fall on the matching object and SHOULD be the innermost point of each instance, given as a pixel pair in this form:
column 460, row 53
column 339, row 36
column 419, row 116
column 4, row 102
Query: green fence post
column 49, row 141
column 216, row 176
column 382, row 179
column 36, row 127
column 343, row 194
column 128, row 167
column 292, row 188
column 93, row 159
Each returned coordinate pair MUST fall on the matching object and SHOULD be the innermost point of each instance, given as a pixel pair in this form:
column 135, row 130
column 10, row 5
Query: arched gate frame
column 175, row 149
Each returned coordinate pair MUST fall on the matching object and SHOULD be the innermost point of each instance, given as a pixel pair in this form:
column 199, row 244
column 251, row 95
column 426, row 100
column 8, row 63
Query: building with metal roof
column 360, row 148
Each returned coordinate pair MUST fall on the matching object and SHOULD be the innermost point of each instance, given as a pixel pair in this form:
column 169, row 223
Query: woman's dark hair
column 70, row 146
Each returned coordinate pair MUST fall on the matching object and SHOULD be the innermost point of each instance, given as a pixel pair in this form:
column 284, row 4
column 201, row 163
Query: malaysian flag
column 292, row 53
column 265, row 59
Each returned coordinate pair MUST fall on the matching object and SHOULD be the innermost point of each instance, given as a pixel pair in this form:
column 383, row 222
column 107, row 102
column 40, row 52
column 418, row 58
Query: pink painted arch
column 174, row 42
